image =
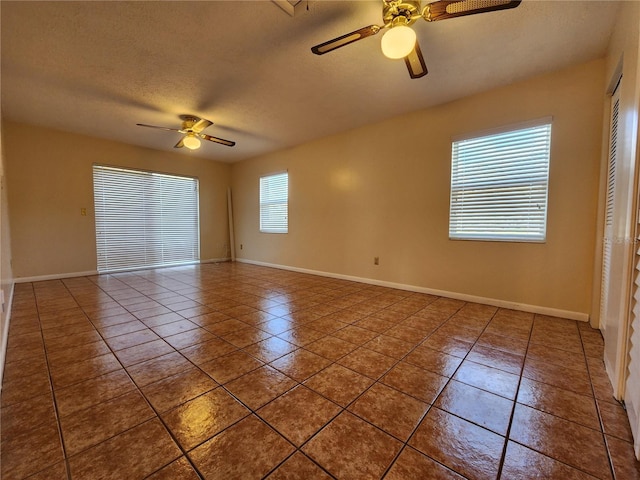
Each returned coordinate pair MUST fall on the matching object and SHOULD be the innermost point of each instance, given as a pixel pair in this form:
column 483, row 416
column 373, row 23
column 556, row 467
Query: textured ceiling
column 98, row 68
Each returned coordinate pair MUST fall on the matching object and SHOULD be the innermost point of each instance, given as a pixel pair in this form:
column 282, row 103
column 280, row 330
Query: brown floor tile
column 478, row 406
column 28, row 453
column 350, row 448
column 24, row 368
column 122, row 329
column 354, row 334
column 20, row 389
column 27, row 415
column 177, row 389
column 555, row 356
column 249, row 449
column 158, row 368
column 548, row 434
column 331, row 347
column 203, row 417
column 506, row 344
column 434, row 361
column 368, row 362
column 189, row 338
column 136, row 453
column 180, row 469
column 625, row 464
column 414, row 381
column 105, row 420
column 230, row 366
column 57, row 471
column 131, row 339
column 390, row 346
column 299, row 413
column 71, row 373
column 412, row 464
column 301, row 336
column 300, row 364
column 146, row 351
column 93, row 391
column 174, row 328
column 260, row 386
column 446, row 344
column 339, row 384
column 460, row 445
column 270, row 349
column 509, row 362
column 522, row 463
column 69, row 341
column 557, row 401
column 488, row 378
column 298, row 467
column 15, row 354
column 560, row 376
column 615, row 421
column 207, row 351
column 162, row 319
column 392, row 411
column 247, row 336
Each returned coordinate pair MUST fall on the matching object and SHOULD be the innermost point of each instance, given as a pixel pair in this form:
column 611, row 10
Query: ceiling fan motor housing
column 188, row 121
column 406, row 11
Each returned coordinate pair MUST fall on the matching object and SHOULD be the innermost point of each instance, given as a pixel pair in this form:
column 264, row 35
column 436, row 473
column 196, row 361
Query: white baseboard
column 5, row 333
column 55, row 276
column 59, row 276
column 553, row 312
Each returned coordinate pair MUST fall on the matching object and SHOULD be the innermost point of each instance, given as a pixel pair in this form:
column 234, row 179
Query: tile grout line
column 597, row 405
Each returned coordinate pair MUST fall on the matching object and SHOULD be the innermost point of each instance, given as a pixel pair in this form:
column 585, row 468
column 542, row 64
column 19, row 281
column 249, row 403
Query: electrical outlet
column 376, row 260
column 240, row 246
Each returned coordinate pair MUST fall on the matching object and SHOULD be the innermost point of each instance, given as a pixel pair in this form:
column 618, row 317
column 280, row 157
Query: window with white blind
column 499, row 185
column 144, row 219
column 274, row 203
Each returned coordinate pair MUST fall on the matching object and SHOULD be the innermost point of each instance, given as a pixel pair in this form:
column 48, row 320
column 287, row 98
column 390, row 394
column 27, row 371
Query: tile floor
column 236, row 371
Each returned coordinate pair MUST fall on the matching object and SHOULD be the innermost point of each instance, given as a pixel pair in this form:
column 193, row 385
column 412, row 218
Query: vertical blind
column 499, row 186
column 274, row 203
column 144, row 219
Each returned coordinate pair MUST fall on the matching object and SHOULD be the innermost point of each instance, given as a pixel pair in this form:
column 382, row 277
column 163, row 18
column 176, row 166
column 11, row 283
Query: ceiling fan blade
column 331, row 45
column 179, row 144
column 445, row 9
column 221, row 141
column 415, row 63
column 201, row 125
column 161, row 128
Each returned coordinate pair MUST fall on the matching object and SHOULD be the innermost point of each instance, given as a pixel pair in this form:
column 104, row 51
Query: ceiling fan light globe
column 191, row 142
column 398, row 42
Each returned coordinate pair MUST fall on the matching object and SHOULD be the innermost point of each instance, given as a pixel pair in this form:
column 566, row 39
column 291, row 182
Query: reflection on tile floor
column 232, row 371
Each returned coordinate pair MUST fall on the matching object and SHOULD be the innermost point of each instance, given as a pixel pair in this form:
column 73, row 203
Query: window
column 274, row 203
column 499, row 185
column 144, row 219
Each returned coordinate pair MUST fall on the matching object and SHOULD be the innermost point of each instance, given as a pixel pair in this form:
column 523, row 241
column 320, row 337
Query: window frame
column 270, row 223
column 510, row 191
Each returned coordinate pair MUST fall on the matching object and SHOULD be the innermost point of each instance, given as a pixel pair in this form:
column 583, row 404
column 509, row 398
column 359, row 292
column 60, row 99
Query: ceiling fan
column 400, row 40
column 192, row 128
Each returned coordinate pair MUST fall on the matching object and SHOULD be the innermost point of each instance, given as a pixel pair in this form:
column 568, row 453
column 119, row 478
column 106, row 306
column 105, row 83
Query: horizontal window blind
column 144, row 219
column 499, row 186
column 274, row 203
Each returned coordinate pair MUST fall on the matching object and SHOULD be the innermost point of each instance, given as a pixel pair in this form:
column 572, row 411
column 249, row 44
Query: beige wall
column 49, row 177
column 383, row 190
